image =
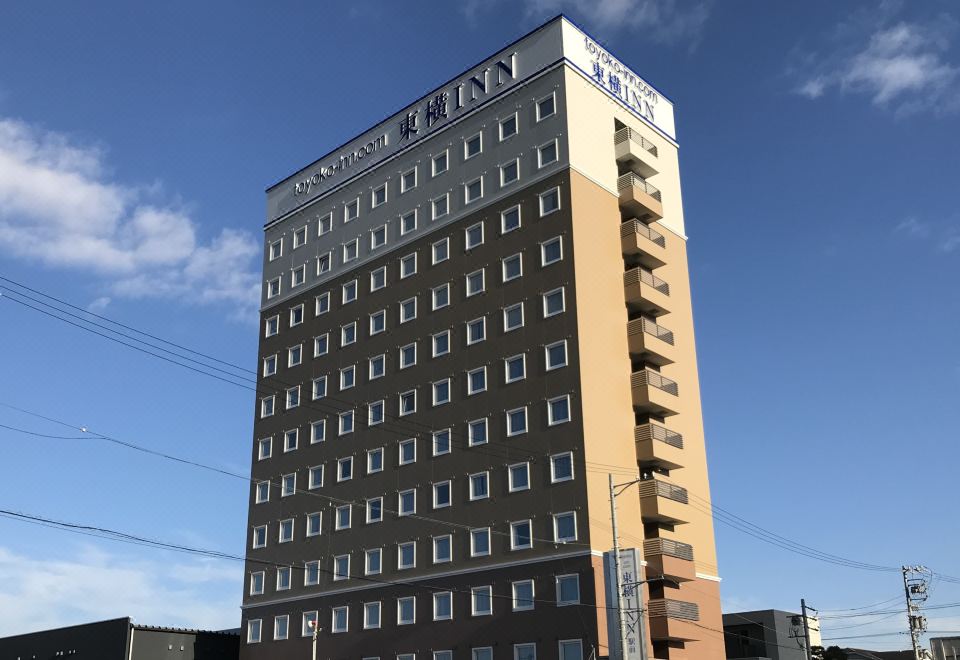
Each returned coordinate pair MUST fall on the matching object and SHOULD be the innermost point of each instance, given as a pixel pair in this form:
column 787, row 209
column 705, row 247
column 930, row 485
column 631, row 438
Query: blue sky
column 819, row 145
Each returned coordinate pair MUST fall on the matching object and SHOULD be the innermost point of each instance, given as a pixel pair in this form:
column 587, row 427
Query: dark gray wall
column 104, row 640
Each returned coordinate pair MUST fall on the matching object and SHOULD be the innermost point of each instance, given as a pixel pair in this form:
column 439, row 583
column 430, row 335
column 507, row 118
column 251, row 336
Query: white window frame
column 554, row 479
column 254, row 631
column 373, row 195
column 404, row 230
column 299, row 237
column 466, row 146
column 369, row 510
column 470, row 388
column 259, row 537
column 286, row 530
column 516, row 126
column 348, row 377
column 479, row 592
column 449, row 486
column 346, row 290
column 351, row 251
column 483, row 323
column 324, row 262
column 404, row 396
column 433, row 343
column 325, row 224
column 473, row 548
column 376, row 412
column 544, row 195
column 515, row 163
column 503, row 267
column 556, row 534
column 438, row 383
column 553, row 109
column 341, row 462
column 321, row 341
column 561, row 578
column 270, row 365
column 347, row 216
column 403, row 179
column 306, row 630
column 445, row 154
column 507, row 379
column 528, row 603
column 271, row 326
column 511, row 432
column 273, row 288
column 321, row 426
column 466, row 236
column 334, row 628
column 262, row 492
column 348, row 334
column 275, row 251
column 469, row 288
column 287, row 445
column 373, row 274
column 401, row 447
column 318, row 516
column 546, row 355
column 563, row 301
column 264, row 449
column 445, row 242
column 486, row 431
column 403, row 309
column 449, row 541
column 374, row 233
column 343, row 417
column 433, row 442
column 371, row 469
column 512, row 486
column 255, row 577
column 294, row 355
column 380, row 360
column 367, row 564
column 403, row 351
column 467, row 198
column 443, row 288
column 404, row 261
column 506, row 312
column 312, row 482
column 322, row 303
column 367, row 609
column 402, row 511
column 437, row 597
column 556, row 153
column 543, row 251
column 551, row 421
column 486, row 480
column 379, row 314
column 433, row 206
column 503, row 219
column 293, row 315
column 413, row 609
column 513, row 541
column 337, row 522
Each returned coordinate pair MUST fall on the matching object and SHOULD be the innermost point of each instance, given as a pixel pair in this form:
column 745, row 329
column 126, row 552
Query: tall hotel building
column 472, row 314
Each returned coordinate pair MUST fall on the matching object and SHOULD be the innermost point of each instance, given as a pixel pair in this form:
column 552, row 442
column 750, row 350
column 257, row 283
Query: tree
column 829, row 653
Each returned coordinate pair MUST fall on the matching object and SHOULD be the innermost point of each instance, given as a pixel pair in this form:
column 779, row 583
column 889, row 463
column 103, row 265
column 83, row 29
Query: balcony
column 646, row 245
column 635, row 151
column 653, row 394
column 651, row 341
column 658, row 446
column 639, row 198
column 663, row 502
column 673, row 620
column 645, row 292
column 669, row 558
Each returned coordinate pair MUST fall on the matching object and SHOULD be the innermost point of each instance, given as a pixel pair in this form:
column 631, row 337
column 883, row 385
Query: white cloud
column 913, row 227
column 59, row 206
column 92, row 585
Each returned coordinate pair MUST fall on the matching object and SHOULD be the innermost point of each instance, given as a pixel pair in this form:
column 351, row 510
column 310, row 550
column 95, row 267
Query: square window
column 324, row 262
column 516, row 421
column 325, row 224
column 378, row 322
column 378, row 278
column 321, row 345
column 440, row 163
column 373, row 561
column 323, row 303
column 558, row 410
column 267, row 406
column 351, row 250
column 521, row 535
column 482, row 653
column 508, row 127
column 546, row 107
column 480, row 542
column 512, row 267
column 406, row 610
column 296, row 315
column 441, row 206
column 475, row 282
column 351, row 211
column 294, row 355
column 270, row 365
column 311, row 574
column 345, row 468
column 276, row 250
column 377, row 366
column 472, row 146
column 477, row 432
column 290, row 439
column 346, row 422
column 441, row 392
column 283, row 578
column 441, row 343
column 299, row 237
column 293, row 397
column 343, row 514
column 442, row 549
column 253, row 631
column 408, row 222
column 273, row 288
column 510, row 220
column 565, row 527
column 375, row 413
column 262, row 492
column 571, row 649
column 378, row 237
column 551, row 251
column 476, row 330
column 553, row 303
column 379, row 196
column 547, row 154
column 375, row 460
column 561, row 467
column 513, row 317
column 371, row 615
column 523, row 595
column 259, row 537
column 515, row 368
column 288, row 484
column 408, row 355
column 549, row 201
column 318, row 431
column 408, row 451
column 525, row 651
column 518, row 476
column 340, row 617
column 374, row 510
column 319, row 387
column 442, row 606
column 441, row 442
column 408, row 180
column 286, row 531
column 298, row 276
column 556, row 355
column 348, row 334
column 441, row 251
column 271, row 326
column 481, row 601
column 349, row 292
column 441, row 296
column 476, row 380
column 479, row 486
column 509, row 172
column 256, row 583
column 473, row 191
column 408, row 402
column 264, row 448
column 473, row 236
column 309, row 623
column 314, row 522
column 441, row 495
column 406, row 555
column 408, row 266
column 348, row 377
column 315, row 477
column 568, row 589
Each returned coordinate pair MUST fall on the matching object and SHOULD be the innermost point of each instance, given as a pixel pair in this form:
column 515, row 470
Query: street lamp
column 316, row 629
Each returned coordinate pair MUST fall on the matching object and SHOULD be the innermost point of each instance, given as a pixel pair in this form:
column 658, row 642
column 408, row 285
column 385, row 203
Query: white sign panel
column 631, row 578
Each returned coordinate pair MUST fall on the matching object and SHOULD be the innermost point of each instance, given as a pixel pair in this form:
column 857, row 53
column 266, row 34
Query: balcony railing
column 640, row 275
column 655, row 487
column 637, row 326
column 627, row 133
column 630, row 179
column 634, row 226
column 650, row 431
column 674, row 609
column 668, row 547
column 654, row 379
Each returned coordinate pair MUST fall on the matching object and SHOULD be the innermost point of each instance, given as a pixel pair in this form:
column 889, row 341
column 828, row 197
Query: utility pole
column 622, row 633
column 316, row 629
column 915, row 591
column 806, row 630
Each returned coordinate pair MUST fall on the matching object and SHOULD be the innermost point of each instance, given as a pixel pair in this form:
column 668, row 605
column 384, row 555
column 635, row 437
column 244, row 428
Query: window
column 276, row 249
column 349, row 292
column 296, row 315
column 509, row 172
column 408, row 355
column 378, row 278
column 441, row 206
column 294, row 355
column 270, row 365
column 343, row 517
column 441, row 251
column 256, row 583
column 379, row 196
column 547, row 154
column 441, row 495
column 513, row 317
column 482, row 653
column 558, row 410
column 262, row 492
column 442, row 606
column 378, row 237
column 472, row 146
column 309, row 623
column 473, row 191
column 512, row 267
column 271, row 326
column 481, row 601
column 264, row 448
column 323, row 303
column 408, row 402
column 549, row 201
column 515, row 368
column 315, row 479
column 475, row 282
column 406, row 555
column 351, row 250
column 299, row 237
column 523, row 595
column 325, row 224
column 408, row 265
column 508, row 127
column 378, row 322
column 441, row 392
column 407, row 502
column 311, row 573
column 374, row 510
column 551, row 251
column 314, row 523
column 260, row 537
column 407, row 451
column 525, row 651
column 480, row 486
column 408, row 180
column 568, row 589
column 341, row 567
column 510, row 220
column 375, row 413
column 321, row 345
column 473, row 235
column 441, row 296
column 442, row 549
column 377, row 366
column 288, row 484
column 346, row 422
column 476, row 380
column 375, row 460
column 324, row 262
column 408, row 222
column 440, row 163
column 318, row 431
column 351, row 211
column 441, row 343
column 521, row 535
column 546, row 107
column 273, row 288
column 441, row 442
column 480, row 542
column 339, row 619
column 561, row 467
column 345, row 468
column 516, row 421
column 477, row 432
column 371, row 615
column 476, row 330
column 553, row 302
column 253, row 631
column 565, row 527
column 406, row 610
column 286, row 531
column 518, row 476
column 408, row 309
column 373, row 564
column 348, row 334
column 267, row 406
column 290, row 439
column 348, row 377
column 571, row 649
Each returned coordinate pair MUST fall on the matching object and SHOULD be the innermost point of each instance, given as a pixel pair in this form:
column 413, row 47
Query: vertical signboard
column 631, row 580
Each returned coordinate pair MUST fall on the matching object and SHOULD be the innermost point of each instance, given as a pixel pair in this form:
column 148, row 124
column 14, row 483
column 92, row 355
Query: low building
column 863, row 654
column 945, row 648
column 767, row 635
column 121, row 639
